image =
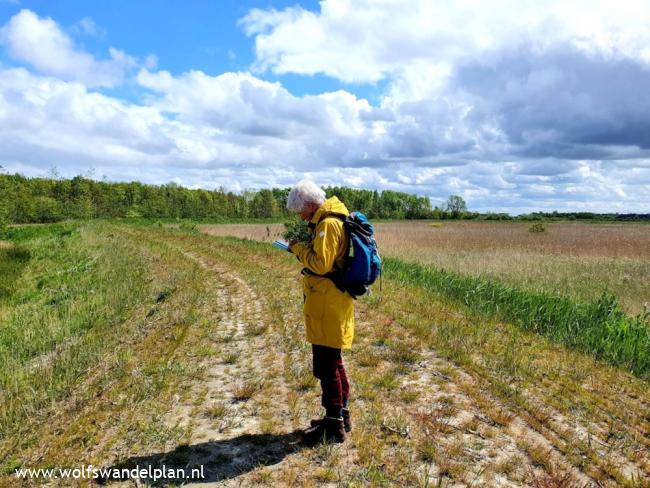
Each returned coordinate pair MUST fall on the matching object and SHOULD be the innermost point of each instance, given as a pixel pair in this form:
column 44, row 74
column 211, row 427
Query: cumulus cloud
column 216, row 140
column 42, row 44
column 320, row 128
column 366, row 40
column 551, row 79
column 42, row 116
column 543, row 93
column 516, row 106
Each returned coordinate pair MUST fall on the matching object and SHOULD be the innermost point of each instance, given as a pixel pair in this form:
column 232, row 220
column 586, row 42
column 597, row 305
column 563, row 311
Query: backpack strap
column 338, row 216
column 337, row 275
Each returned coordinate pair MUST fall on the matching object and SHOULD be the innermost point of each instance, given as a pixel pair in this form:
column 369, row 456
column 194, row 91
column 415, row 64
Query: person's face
column 309, row 211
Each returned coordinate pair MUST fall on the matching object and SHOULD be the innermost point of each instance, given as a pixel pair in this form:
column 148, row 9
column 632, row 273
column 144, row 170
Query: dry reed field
column 574, row 259
column 258, row 232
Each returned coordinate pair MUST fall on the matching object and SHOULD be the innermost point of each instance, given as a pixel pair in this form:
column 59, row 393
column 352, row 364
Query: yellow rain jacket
column 329, row 312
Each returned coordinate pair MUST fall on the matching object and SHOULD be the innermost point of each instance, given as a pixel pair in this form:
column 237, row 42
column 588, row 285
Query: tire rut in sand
column 234, row 425
column 450, row 409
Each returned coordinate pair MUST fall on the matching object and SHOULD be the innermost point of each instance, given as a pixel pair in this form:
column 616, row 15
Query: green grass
column 12, row 262
column 30, row 232
column 599, row 327
column 419, row 357
column 64, row 283
column 100, row 332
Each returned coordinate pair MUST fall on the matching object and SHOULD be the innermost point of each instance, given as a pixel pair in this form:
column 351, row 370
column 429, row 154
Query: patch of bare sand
column 232, row 416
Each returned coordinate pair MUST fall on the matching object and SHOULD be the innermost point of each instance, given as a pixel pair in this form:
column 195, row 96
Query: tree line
column 42, row 200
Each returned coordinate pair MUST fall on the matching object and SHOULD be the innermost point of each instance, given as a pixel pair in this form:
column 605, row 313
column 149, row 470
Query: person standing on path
column 328, row 311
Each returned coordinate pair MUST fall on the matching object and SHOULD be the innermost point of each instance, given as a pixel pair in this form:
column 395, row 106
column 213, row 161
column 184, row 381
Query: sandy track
column 238, row 440
column 228, row 431
column 488, row 443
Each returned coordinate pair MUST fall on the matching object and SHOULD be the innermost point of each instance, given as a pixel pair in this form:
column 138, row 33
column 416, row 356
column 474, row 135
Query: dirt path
column 419, row 419
column 235, row 426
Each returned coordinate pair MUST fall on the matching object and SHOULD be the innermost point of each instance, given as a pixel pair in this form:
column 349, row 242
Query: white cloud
column 367, row 40
column 242, row 104
column 88, row 27
column 519, row 110
column 41, row 43
column 224, row 140
column 47, row 114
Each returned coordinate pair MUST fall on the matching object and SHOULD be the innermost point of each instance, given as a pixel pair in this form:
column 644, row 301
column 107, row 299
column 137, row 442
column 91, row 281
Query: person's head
column 305, row 198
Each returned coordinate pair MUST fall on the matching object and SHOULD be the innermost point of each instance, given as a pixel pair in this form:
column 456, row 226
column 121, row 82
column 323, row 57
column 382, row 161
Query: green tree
column 49, row 199
column 456, row 206
column 47, row 209
column 280, row 195
column 264, row 205
column 4, row 219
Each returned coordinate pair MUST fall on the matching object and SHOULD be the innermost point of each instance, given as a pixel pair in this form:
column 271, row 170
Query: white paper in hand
column 284, row 245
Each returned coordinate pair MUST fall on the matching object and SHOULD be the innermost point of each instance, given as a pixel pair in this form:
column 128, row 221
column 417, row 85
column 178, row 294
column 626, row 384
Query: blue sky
column 202, row 35
column 197, row 35
column 516, row 105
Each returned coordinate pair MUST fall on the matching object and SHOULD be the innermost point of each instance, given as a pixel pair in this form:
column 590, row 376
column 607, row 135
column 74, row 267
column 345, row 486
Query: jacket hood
column 331, row 206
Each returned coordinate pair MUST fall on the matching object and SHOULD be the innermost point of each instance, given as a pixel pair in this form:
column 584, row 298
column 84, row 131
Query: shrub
column 47, row 210
column 297, row 230
column 4, row 221
column 537, row 227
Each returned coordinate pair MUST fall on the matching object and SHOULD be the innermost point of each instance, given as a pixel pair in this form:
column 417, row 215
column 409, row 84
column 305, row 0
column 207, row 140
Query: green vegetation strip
column 61, row 282
column 12, row 262
column 600, row 327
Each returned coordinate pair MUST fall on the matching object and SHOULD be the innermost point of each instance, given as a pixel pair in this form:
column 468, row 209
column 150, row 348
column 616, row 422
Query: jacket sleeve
column 320, row 254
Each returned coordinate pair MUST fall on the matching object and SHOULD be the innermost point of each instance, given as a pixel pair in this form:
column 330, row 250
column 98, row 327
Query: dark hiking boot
column 347, row 422
column 327, row 430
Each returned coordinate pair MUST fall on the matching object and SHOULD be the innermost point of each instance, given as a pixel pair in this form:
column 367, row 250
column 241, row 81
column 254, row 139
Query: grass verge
column 600, row 327
column 90, row 337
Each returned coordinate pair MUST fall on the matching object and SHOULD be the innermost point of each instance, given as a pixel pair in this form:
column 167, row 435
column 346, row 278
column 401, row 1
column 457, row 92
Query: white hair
column 302, row 193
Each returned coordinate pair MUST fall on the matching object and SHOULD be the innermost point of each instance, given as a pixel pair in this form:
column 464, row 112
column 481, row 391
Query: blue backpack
column 362, row 264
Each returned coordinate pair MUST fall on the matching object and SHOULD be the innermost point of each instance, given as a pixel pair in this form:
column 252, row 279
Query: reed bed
column 560, row 238
column 579, row 260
